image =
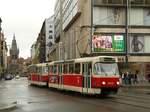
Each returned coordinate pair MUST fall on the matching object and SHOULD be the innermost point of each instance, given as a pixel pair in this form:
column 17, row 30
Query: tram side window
column 39, row 70
column 89, row 68
column 71, row 68
column 33, row 69
column 45, row 69
column 77, row 68
column 55, row 69
column 65, row 69
column 60, row 68
column 51, row 69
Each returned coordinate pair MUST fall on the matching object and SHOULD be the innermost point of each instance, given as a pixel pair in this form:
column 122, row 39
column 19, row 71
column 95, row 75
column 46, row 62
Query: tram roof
column 89, row 59
column 85, row 59
column 41, row 64
column 61, row 61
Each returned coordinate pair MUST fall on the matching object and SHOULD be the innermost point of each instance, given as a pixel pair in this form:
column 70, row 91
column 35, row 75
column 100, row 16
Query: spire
column 14, row 51
column 14, row 37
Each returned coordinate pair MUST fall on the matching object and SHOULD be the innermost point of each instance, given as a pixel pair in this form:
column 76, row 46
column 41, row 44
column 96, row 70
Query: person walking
column 135, row 78
column 126, row 78
column 148, row 77
column 130, row 78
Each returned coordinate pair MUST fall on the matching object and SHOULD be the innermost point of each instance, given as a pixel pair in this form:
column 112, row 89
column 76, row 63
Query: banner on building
column 108, row 43
column 137, row 44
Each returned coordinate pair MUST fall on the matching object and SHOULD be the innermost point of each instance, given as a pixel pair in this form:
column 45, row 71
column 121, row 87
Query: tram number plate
column 110, row 83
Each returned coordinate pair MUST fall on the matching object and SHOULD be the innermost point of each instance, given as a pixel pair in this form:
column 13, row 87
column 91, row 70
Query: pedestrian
column 126, row 78
column 148, row 78
column 135, row 78
column 132, row 78
column 122, row 77
column 129, row 78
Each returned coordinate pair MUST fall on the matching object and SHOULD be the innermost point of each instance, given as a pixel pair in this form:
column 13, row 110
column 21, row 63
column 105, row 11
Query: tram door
column 86, row 69
column 41, row 73
column 60, row 76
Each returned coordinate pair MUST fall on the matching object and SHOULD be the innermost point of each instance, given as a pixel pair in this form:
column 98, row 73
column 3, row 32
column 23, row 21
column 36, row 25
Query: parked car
column 8, row 77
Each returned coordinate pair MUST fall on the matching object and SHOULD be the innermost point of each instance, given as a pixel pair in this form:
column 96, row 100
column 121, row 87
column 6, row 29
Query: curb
column 4, row 106
column 135, row 86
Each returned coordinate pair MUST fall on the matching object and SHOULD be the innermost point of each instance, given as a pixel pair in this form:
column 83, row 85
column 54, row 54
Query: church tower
column 14, row 51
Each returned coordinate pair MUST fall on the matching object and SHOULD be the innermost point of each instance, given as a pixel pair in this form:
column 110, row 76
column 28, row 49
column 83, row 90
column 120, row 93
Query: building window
column 142, row 16
column 136, row 1
column 50, row 31
column 108, row 16
column 114, row 1
column 50, row 37
column 50, row 26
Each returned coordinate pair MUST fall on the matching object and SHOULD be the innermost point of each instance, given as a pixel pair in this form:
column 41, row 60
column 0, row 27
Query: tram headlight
column 118, row 82
column 104, row 83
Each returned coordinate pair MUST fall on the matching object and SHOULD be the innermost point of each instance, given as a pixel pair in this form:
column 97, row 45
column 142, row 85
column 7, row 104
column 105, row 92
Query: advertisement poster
column 136, row 44
column 118, row 43
column 108, row 43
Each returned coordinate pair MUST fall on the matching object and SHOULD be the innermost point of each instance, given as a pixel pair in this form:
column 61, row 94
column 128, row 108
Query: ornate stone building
column 13, row 67
column 14, row 51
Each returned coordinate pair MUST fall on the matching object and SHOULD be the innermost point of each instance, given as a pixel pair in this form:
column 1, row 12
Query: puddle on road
column 22, row 102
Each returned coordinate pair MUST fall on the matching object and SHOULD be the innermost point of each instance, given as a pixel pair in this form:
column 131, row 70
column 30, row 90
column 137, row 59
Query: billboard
column 137, row 44
column 108, row 43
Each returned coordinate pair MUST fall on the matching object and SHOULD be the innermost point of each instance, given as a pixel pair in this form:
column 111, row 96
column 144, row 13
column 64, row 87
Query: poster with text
column 108, row 43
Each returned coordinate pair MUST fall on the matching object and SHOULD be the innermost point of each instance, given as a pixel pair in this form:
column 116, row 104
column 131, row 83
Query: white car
column 17, row 77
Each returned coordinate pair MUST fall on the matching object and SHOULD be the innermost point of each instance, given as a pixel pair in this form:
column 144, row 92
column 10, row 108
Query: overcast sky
column 24, row 18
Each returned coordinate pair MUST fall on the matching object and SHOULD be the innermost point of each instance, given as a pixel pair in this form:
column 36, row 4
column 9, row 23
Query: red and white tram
column 91, row 75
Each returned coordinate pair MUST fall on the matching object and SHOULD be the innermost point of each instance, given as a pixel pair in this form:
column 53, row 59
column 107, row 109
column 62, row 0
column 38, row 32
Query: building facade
column 13, row 66
column 49, row 24
column 122, row 35
column 38, row 49
column 33, row 50
column 14, row 51
column 105, row 27
column 58, row 35
column 77, row 27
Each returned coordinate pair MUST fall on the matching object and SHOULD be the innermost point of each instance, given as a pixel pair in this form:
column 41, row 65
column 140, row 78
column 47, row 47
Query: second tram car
column 38, row 74
column 91, row 75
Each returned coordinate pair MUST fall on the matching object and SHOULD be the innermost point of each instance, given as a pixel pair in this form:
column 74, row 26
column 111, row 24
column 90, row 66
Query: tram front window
column 106, row 69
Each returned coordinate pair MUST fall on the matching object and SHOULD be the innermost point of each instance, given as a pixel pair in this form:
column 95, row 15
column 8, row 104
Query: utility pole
column 0, row 43
column 0, row 25
column 126, row 39
column 0, row 50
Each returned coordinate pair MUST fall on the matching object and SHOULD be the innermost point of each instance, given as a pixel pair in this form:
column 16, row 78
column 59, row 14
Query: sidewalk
column 142, row 87
column 7, row 105
column 144, row 84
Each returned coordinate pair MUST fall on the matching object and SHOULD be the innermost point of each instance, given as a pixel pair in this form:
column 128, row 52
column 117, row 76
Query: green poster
column 118, row 43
